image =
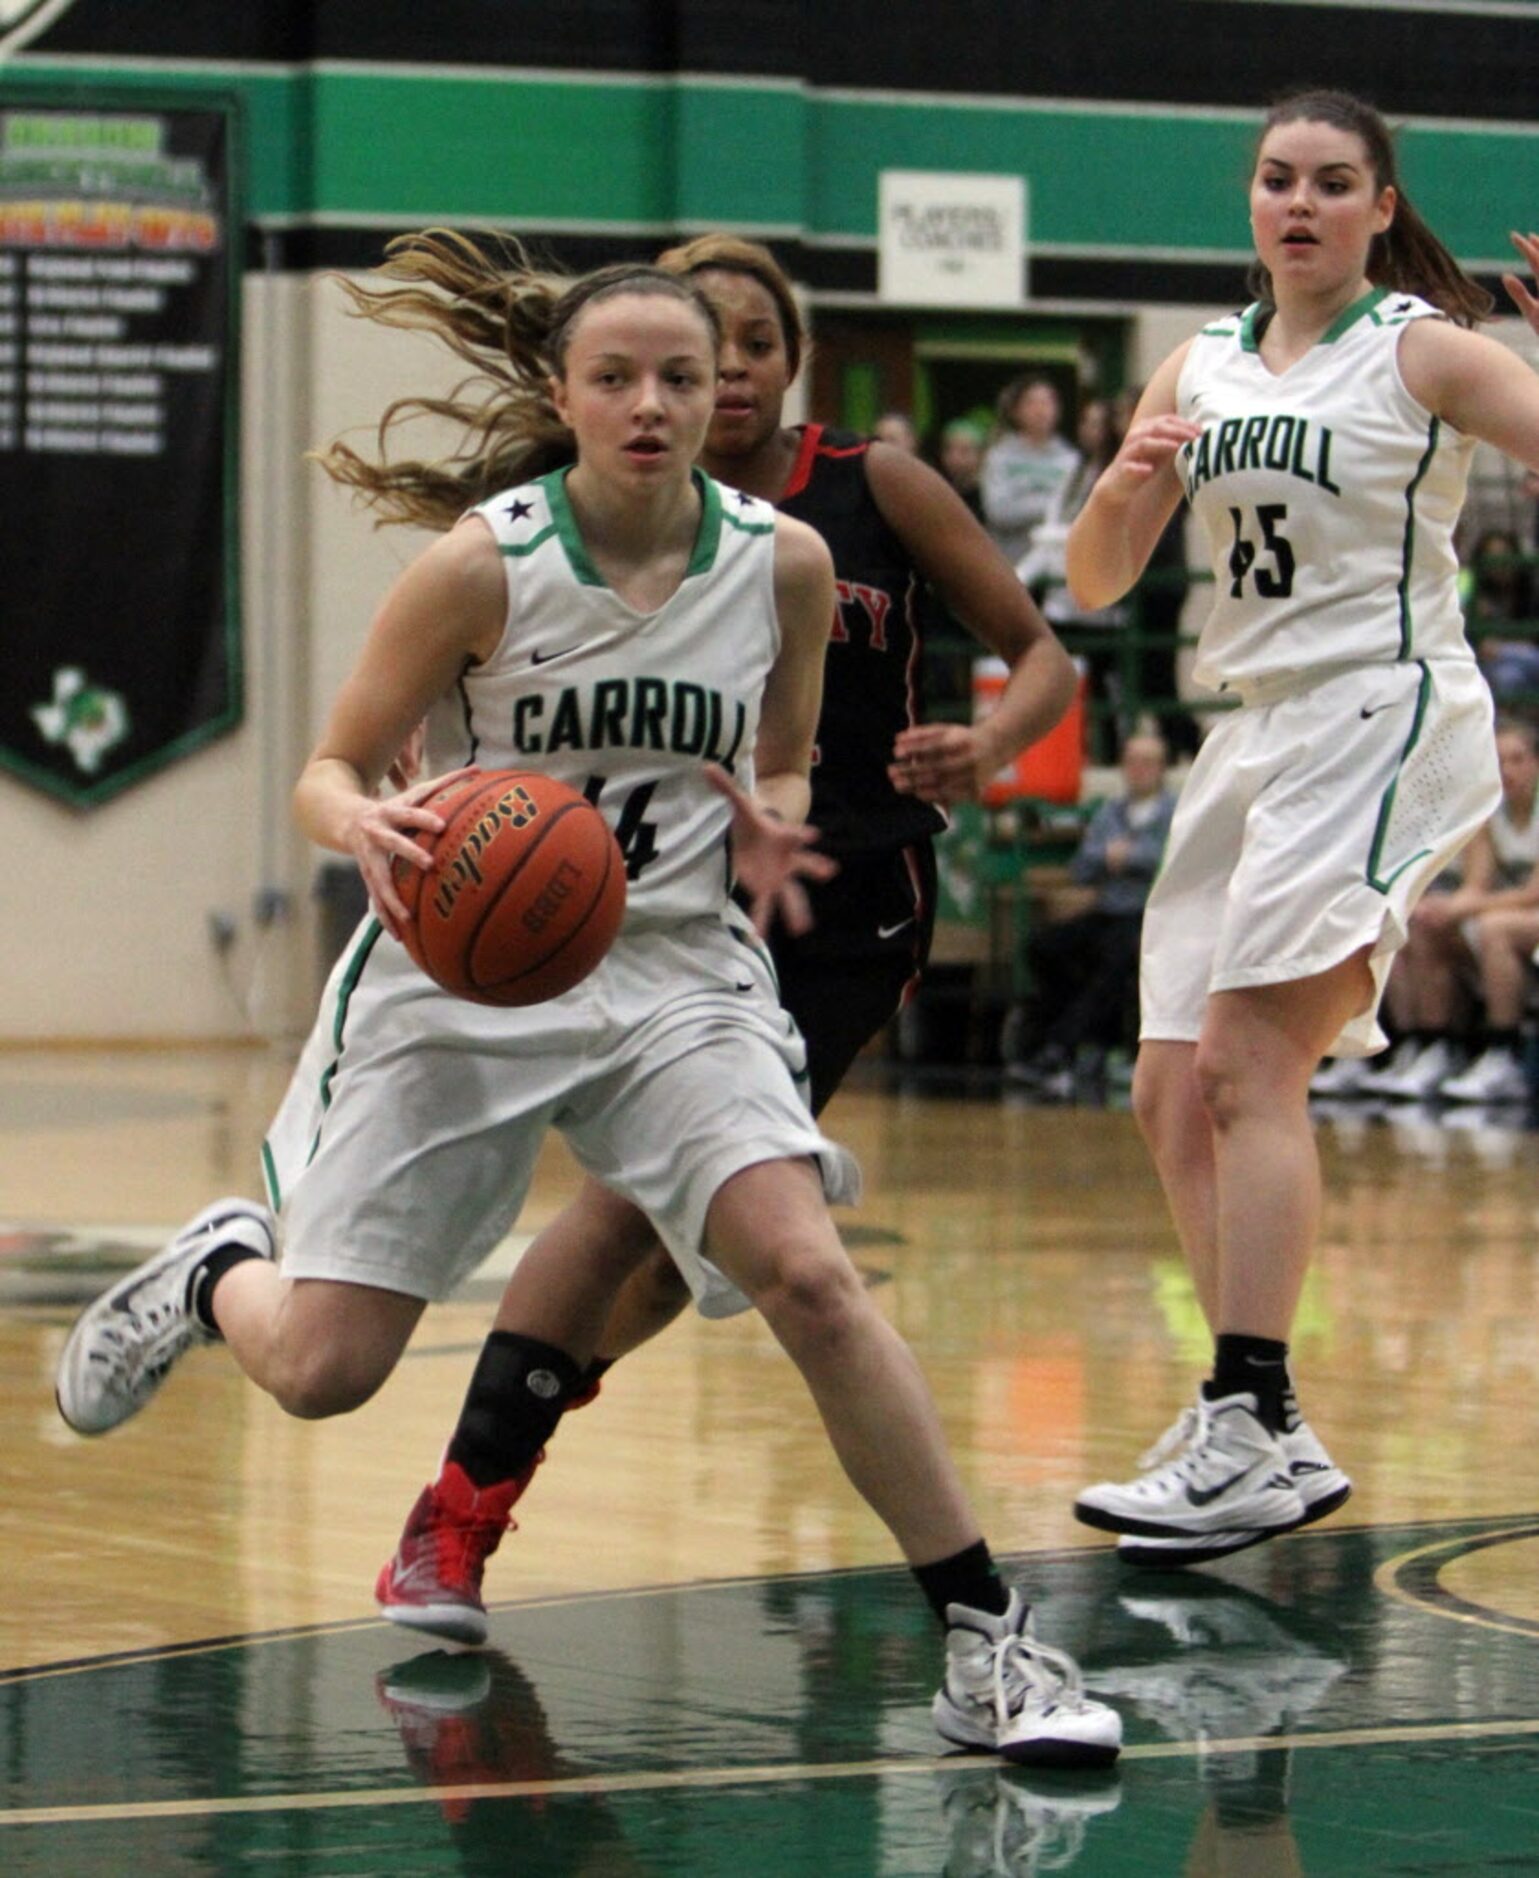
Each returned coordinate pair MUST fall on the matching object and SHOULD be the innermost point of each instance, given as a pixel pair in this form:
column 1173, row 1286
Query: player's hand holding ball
column 505, row 886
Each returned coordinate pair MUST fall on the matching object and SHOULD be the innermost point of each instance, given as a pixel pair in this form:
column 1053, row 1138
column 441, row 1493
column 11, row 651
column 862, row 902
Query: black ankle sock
column 596, row 1371
column 517, row 1393
column 971, row 1578
column 206, row 1274
column 1508, row 1040
column 1255, row 1366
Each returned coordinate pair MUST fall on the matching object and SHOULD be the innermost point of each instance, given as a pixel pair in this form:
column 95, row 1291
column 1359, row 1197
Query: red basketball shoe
column 434, row 1581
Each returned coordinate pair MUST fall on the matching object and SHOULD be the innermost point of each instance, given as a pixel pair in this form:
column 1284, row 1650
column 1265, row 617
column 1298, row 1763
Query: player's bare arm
column 1113, row 536
column 444, row 612
column 793, row 693
column 771, row 840
column 1473, row 382
column 952, row 549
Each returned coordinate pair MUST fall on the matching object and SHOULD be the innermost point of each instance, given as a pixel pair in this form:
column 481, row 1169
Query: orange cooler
column 1053, row 768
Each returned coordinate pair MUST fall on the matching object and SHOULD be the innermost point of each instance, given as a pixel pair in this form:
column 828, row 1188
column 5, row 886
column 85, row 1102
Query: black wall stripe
column 1234, row 53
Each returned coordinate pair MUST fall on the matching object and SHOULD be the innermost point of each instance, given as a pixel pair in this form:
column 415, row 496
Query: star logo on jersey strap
column 745, row 501
column 518, row 510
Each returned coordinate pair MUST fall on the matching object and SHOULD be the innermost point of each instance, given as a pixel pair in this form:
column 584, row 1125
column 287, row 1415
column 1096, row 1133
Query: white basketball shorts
column 1309, row 827
column 405, row 1145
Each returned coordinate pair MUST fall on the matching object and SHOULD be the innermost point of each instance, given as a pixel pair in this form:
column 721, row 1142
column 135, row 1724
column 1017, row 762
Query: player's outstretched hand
column 1150, row 444
column 1522, row 299
column 942, row 763
column 382, row 830
column 771, row 858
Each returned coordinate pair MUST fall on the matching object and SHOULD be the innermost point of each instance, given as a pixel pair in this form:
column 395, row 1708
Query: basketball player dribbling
column 890, row 522
column 1323, row 436
column 406, row 1143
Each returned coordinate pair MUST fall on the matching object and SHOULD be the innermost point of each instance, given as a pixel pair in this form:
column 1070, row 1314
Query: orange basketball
column 525, row 894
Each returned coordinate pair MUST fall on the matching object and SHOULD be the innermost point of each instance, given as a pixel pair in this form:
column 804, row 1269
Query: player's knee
column 812, row 1297
column 661, row 1284
column 1166, row 1105
column 1224, row 1088
column 322, row 1380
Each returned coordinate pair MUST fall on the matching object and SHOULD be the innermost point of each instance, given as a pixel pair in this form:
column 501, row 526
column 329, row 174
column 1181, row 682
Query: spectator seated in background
column 1497, row 591
column 1084, row 968
column 1479, row 931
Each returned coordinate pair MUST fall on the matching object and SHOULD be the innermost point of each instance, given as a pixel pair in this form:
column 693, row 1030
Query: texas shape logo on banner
column 119, row 536
column 87, row 719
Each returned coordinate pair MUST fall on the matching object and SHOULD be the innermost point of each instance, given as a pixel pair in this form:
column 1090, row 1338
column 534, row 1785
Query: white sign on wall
column 948, row 239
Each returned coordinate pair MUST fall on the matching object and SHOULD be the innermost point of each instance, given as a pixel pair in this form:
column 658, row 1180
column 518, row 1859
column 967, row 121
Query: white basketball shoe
column 123, row 1346
column 1230, row 1474
column 1322, row 1485
column 1010, row 1695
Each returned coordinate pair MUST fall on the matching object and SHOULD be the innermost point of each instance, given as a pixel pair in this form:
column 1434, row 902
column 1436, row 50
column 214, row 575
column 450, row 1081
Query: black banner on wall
column 119, row 272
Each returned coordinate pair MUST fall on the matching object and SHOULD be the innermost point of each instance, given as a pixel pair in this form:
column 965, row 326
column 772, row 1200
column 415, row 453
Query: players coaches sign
column 950, row 239
column 119, row 267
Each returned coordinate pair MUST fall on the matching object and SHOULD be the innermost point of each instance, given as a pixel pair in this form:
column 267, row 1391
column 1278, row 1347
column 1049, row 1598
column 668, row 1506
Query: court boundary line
column 609, row 1786
column 1398, row 1578
column 1492, row 1531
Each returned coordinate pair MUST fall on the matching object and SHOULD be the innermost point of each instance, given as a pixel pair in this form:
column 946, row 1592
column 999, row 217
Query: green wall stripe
column 363, row 143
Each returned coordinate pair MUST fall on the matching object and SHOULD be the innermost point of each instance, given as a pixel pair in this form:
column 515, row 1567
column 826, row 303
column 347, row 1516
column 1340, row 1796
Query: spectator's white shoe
column 1424, row 1074
column 1342, row 1076
column 1396, row 1060
column 1496, row 1075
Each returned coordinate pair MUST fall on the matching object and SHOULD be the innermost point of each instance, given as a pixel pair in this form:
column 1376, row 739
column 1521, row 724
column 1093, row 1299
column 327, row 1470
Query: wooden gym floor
column 703, row 1659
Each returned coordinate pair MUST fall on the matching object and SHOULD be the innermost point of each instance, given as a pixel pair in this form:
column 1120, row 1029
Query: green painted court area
column 1326, row 1707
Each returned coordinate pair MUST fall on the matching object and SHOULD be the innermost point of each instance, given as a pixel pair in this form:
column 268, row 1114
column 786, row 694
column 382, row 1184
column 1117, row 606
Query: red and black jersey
column 871, row 684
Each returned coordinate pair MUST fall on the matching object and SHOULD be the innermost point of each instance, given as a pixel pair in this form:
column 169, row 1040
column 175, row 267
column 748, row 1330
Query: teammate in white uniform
column 1323, row 436
column 624, row 624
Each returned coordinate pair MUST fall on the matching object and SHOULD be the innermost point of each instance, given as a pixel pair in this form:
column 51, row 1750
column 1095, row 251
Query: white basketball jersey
column 627, row 707
column 1329, row 497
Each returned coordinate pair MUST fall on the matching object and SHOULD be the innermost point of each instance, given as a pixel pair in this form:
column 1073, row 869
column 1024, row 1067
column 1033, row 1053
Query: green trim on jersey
column 1350, row 315
column 516, row 550
column 702, row 556
column 564, row 524
column 708, row 541
column 345, row 990
column 270, row 1178
column 1364, row 304
column 1409, row 545
column 1387, row 800
column 746, row 527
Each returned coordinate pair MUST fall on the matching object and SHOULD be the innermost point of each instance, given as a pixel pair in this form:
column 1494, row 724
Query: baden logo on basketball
column 516, row 809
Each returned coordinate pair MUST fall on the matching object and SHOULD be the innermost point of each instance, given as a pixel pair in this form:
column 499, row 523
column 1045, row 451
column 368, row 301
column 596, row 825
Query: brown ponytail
column 511, row 323
column 1407, row 257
